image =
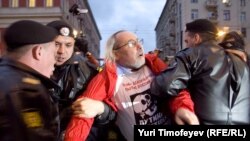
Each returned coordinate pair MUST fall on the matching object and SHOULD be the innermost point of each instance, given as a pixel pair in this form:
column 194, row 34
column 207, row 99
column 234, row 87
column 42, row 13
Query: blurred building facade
column 228, row 15
column 76, row 12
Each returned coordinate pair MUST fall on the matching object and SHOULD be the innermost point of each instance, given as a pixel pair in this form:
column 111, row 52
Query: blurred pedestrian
column 234, row 43
column 81, row 46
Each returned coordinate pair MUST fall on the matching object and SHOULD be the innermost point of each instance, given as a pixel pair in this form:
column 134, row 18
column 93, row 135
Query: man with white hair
column 124, row 85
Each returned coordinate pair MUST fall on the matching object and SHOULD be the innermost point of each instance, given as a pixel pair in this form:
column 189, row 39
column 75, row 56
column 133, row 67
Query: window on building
column 244, row 32
column 243, row 16
column 194, row 14
column 32, row 3
column 212, row 15
column 226, row 14
column 242, row 2
column 14, row 3
column 49, row 3
column 194, row 1
column 225, row 1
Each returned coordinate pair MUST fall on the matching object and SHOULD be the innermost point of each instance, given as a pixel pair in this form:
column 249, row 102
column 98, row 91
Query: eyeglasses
column 131, row 44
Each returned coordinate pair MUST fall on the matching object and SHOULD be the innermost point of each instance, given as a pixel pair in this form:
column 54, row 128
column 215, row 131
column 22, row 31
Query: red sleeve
column 155, row 63
column 183, row 100
column 78, row 128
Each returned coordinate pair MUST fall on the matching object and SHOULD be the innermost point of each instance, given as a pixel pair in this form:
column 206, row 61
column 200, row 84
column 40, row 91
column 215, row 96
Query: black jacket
column 73, row 77
column 28, row 104
column 219, row 83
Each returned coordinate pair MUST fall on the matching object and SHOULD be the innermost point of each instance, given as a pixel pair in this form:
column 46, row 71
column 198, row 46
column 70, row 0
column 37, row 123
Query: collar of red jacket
column 152, row 61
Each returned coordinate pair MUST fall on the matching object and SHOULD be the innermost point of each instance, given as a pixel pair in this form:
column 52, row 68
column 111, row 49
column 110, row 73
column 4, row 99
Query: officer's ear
column 197, row 39
column 37, row 51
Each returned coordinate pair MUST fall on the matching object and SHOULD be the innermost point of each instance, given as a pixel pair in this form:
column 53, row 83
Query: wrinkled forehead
column 125, row 36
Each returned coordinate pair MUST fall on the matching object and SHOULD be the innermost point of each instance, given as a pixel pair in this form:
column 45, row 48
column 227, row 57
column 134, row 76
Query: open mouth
column 59, row 59
column 141, row 54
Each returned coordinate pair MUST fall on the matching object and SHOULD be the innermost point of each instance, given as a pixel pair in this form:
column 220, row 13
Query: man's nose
column 139, row 46
column 61, row 49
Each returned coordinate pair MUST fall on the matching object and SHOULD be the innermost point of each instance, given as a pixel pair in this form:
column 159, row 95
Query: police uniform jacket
column 72, row 77
column 28, row 106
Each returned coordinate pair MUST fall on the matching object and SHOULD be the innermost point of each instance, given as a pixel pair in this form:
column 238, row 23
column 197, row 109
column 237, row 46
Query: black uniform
column 28, row 106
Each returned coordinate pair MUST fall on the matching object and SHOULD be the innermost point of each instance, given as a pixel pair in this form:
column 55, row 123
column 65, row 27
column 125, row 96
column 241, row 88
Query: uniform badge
column 32, row 118
column 65, row 31
column 31, row 81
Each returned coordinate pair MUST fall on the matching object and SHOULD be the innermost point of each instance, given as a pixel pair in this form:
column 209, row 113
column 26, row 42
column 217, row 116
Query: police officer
column 28, row 107
column 73, row 73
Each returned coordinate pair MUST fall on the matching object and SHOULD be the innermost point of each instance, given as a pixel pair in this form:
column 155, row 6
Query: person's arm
column 171, row 81
column 181, row 105
column 107, row 116
column 90, row 108
column 182, row 109
column 78, row 128
column 238, row 53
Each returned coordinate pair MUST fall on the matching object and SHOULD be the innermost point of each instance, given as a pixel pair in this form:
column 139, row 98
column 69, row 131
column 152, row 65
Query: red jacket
column 102, row 88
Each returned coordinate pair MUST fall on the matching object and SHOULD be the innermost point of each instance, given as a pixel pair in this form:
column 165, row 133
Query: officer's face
column 192, row 39
column 189, row 39
column 47, row 58
column 64, row 49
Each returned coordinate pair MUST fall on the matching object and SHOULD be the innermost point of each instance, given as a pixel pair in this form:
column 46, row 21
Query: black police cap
column 62, row 28
column 26, row 32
